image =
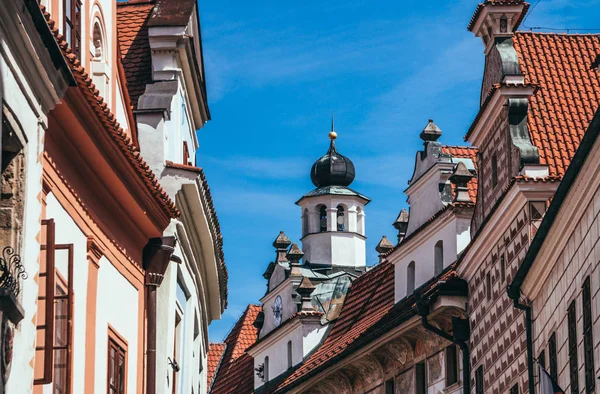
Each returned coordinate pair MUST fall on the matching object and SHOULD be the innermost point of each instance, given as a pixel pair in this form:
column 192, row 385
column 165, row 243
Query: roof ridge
column 560, row 34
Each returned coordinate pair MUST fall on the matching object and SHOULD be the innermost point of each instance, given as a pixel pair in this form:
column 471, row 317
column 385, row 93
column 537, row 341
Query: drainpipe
column 460, row 328
column 156, row 256
column 528, row 331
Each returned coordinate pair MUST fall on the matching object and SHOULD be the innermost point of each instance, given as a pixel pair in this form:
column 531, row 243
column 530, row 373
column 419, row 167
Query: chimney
column 497, row 19
column 401, row 224
column 383, row 247
column 460, row 178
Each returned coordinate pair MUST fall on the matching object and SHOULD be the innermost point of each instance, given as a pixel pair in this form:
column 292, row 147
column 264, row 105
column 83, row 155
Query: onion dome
column 332, row 169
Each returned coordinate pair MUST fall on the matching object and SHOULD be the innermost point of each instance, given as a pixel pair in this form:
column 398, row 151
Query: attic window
column 503, row 24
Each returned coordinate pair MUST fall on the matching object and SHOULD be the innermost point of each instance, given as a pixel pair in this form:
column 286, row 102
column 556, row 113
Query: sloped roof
column 132, row 30
column 236, row 372
column 465, row 152
column 568, row 95
column 214, row 357
column 122, row 141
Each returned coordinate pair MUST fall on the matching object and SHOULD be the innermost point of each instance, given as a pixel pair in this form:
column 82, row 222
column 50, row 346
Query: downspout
column 529, row 333
column 156, row 256
column 460, row 328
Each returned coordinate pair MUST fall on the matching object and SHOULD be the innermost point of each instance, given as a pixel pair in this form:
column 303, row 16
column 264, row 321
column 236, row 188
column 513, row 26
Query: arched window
column 322, row 219
column 289, row 354
column 438, row 258
column 410, row 278
column 266, row 370
column 341, row 219
column 98, row 41
column 305, row 222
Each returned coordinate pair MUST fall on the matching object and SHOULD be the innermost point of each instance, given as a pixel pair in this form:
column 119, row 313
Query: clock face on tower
column 277, row 310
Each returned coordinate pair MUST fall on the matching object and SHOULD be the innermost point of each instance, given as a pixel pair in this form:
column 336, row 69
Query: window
column 186, row 154
column 552, row 357
column 451, row 366
column 536, row 214
column 341, row 224
column 488, row 286
column 502, row 269
column 266, row 370
column 61, row 362
column 479, row 380
column 438, row 258
column 494, row 170
column 323, row 219
column 514, row 389
column 289, row 354
column 72, row 33
column 98, row 42
column 542, row 359
column 389, row 386
column 421, row 381
column 117, row 362
column 572, row 329
column 588, row 341
column 410, row 278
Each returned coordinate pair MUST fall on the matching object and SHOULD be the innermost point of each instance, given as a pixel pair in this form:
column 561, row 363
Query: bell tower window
column 305, row 222
column 322, row 219
column 341, row 219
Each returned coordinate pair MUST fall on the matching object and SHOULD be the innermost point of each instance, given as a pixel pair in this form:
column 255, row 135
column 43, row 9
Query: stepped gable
column 465, row 152
column 132, row 30
column 568, row 95
column 236, row 372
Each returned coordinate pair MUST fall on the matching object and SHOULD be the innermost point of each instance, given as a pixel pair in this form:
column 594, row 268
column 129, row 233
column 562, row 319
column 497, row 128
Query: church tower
column 333, row 215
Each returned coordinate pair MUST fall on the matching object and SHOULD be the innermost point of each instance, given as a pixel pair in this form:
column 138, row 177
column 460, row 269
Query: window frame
column 588, row 336
column 115, row 338
column 572, row 347
column 552, row 357
column 479, row 383
column 451, row 353
column 74, row 23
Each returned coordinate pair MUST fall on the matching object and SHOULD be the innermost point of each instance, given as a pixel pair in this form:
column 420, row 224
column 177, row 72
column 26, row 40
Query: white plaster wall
column 33, row 121
column 277, row 276
column 117, row 305
column 312, row 336
column 421, row 250
column 285, row 290
column 424, row 199
column 192, row 354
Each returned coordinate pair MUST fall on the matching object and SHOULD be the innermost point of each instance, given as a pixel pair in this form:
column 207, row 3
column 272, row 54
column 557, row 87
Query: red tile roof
column 132, row 29
column 465, row 152
column 369, row 298
column 215, row 355
column 568, row 95
column 119, row 137
column 236, row 372
column 481, row 6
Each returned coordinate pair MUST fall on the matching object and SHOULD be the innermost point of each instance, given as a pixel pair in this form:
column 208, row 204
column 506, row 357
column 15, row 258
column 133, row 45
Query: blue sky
column 277, row 70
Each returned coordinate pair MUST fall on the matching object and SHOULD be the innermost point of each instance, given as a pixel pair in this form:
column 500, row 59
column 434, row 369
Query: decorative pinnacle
column 384, row 246
column 295, row 253
column 332, row 133
column 460, row 178
column 431, row 132
column 306, row 287
column 282, row 241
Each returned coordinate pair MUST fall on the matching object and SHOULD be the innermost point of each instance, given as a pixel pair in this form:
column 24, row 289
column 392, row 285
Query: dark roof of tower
column 332, row 169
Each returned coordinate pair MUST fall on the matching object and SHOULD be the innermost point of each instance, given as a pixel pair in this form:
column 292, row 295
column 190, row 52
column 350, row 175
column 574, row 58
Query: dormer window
column 503, row 24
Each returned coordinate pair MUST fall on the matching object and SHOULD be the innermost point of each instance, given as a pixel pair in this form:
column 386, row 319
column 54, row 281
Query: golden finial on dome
column 332, row 133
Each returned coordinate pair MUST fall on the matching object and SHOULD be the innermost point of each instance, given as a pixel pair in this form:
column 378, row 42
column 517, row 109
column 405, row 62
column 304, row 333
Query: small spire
column 431, row 132
column 332, row 133
column 281, row 243
column 305, row 289
column 460, row 178
column 401, row 224
column 294, row 255
column 383, row 247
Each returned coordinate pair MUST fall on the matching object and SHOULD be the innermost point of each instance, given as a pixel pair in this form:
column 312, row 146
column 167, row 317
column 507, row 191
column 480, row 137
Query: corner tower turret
column 333, row 215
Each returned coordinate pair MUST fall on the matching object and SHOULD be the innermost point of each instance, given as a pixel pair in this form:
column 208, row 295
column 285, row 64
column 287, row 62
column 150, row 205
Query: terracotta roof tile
column 465, row 152
column 132, row 30
column 122, row 141
column 215, row 355
column 568, row 95
column 236, row 372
